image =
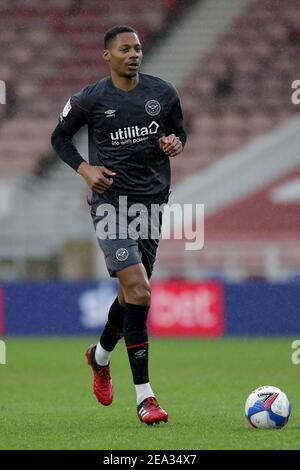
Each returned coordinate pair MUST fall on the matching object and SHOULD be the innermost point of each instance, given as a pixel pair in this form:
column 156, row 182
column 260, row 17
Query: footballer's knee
column 138, row 292
column 135, row 285
column 141, row 293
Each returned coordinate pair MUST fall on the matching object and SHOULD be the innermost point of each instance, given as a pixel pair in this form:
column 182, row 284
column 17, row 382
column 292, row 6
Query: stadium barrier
column 179, row 308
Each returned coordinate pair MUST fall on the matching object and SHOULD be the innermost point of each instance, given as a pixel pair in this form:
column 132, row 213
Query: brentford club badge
column 122, row 254
column 152, row 107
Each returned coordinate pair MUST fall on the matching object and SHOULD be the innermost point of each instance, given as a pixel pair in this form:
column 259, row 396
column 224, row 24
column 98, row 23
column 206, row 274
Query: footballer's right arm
column 61, row 141
column 73, row 117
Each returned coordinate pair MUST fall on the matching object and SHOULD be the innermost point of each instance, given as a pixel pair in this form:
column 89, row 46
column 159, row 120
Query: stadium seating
column 241, row 91
column 256, row 57
column 57, row 53
column 242, row 88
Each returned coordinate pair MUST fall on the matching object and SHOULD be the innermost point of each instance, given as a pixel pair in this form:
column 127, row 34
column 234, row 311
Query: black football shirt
column 123, row 131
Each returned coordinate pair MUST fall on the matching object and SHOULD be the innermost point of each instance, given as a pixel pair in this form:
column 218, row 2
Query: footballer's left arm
column 173, row 143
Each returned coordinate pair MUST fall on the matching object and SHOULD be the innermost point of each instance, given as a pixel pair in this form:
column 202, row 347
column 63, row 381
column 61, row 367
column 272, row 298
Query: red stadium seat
column 58, row 52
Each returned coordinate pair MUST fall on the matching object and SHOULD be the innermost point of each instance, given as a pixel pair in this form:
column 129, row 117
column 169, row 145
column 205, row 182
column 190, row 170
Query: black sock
column 113, row 330
column 136, row 339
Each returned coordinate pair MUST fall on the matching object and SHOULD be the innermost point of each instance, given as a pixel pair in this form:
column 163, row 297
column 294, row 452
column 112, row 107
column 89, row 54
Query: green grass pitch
column 46, row 397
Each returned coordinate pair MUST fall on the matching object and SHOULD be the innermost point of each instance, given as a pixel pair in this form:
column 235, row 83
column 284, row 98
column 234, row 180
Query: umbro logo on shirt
column 110, row 113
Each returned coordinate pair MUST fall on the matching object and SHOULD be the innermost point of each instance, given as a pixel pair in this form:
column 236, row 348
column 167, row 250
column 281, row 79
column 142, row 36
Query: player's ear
column 105, row 55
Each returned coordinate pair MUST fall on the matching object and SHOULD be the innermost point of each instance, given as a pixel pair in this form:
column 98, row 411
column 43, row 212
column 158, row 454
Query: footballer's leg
column 118, row 254
column 113, row 330
column 98, row 355
column 136, row 287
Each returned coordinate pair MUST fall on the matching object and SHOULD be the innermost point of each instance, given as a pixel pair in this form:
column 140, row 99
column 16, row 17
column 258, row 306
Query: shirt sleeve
column 174, row 119
column 74, row 115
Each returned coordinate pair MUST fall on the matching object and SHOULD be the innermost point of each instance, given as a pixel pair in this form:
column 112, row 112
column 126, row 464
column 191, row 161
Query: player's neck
column 124, row 83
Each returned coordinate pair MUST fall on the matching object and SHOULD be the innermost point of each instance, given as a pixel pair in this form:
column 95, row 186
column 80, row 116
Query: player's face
column 124, row 55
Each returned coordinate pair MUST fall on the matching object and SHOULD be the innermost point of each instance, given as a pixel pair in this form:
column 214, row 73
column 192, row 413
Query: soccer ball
column 267, row 407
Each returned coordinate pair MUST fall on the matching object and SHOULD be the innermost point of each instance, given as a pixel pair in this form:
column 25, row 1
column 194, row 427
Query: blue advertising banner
column 262, row 309
column 73, row 308
column 57, row 308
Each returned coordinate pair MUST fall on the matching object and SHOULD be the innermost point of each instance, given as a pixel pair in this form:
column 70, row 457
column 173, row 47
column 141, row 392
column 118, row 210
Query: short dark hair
column 114, row 31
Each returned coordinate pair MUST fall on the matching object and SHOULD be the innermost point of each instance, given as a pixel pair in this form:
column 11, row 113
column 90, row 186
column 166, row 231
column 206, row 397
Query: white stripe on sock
column 101, row 355
column 143, row 391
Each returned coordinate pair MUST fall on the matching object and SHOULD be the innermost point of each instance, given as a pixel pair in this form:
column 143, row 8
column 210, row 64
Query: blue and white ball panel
column 262, row 415
column 279, row 421
column 262, row 420
column 251, row 402
column 281, row 406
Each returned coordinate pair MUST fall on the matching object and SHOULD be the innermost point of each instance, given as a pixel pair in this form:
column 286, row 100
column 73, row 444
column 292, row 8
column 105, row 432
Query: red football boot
column 149, row 412
column 103, row 388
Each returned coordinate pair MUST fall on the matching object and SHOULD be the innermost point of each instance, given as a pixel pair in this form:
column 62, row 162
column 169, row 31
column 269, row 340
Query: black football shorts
column 121, row 244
